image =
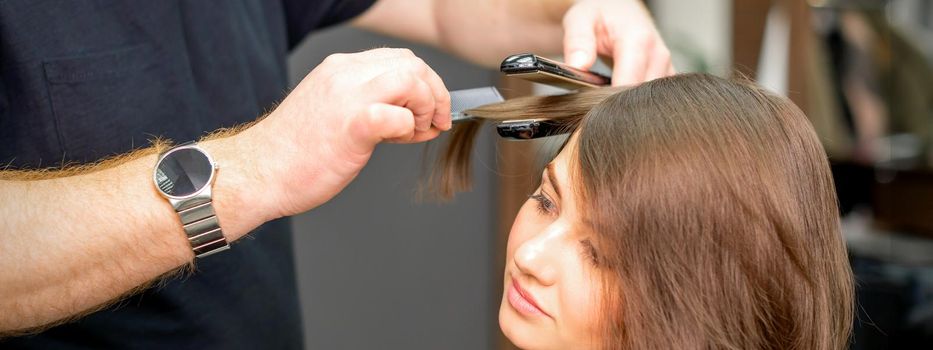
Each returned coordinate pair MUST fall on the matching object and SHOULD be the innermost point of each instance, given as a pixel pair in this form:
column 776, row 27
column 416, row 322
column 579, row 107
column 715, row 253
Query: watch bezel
column 176, row 200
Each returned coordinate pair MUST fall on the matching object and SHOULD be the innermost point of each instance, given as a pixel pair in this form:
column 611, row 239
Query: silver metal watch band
column 203, row 229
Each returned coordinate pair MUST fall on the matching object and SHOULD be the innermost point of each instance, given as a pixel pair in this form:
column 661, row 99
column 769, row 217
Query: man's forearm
column 75, row 241
column 71, row 244
column 483, row 31
column 486, row 34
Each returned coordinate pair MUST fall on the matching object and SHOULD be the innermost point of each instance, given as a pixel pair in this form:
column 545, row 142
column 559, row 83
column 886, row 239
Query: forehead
column 566, row 158
column 562, row 165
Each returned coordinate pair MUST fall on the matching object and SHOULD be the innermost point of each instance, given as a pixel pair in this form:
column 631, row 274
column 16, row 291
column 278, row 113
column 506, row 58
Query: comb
column 462, row 100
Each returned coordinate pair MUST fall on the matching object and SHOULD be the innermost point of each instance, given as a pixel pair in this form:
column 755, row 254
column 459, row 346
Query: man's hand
column 487, row 31
column 622, row 30
column 323, row 133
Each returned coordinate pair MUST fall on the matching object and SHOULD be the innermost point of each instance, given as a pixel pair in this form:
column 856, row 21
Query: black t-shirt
column 83, row 80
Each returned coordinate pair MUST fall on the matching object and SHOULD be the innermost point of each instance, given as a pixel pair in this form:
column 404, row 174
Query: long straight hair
column 715, row 213
column 451, row 173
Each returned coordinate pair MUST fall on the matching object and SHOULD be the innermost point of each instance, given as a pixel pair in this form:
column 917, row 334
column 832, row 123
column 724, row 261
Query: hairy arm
column 482, row 31
column 75, row 239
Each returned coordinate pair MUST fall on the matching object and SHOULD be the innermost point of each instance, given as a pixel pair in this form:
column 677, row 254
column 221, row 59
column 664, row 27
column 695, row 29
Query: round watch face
column 183, row 172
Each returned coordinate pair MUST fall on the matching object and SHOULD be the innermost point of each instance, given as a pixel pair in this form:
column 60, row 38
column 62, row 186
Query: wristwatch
column 184, row 175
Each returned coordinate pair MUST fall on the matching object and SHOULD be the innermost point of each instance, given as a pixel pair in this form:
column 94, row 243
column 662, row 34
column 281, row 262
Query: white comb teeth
column 462, row 100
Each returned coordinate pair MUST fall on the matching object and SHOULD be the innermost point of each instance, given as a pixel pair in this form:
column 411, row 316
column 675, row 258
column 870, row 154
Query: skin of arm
column 67, row 237
column 498, row 27
column 487, row 31
column 74, row 240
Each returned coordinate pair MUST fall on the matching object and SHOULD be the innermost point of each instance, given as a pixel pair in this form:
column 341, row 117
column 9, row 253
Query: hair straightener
column 538, row 69
column 527, row 129
column 533, row 68
column 545, row 71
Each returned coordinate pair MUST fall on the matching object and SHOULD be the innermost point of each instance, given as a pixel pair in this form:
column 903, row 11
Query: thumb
column 580, row 37
column 379, row 122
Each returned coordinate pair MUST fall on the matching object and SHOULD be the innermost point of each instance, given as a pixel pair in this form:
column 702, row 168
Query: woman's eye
column 589, row 251
column 545, row 205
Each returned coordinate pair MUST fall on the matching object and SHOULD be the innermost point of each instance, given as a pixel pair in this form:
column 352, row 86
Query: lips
column 522, row 301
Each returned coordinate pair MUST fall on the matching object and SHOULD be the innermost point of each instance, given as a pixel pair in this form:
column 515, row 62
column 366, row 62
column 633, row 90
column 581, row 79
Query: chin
column 519, row 332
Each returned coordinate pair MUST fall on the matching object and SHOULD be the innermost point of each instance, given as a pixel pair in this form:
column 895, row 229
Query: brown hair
column 715, row 213
column 451, row 174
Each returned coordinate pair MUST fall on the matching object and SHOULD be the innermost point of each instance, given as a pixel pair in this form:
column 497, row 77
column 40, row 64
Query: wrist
column 296, row 173
column 241, row 199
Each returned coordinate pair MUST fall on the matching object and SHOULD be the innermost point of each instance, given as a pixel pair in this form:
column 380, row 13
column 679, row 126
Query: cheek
column 581, row 305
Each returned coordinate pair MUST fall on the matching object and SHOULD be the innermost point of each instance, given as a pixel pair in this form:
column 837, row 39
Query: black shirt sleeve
column 304, row 16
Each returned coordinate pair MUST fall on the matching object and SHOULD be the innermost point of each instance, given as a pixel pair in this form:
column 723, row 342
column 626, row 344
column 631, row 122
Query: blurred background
column 380, row 269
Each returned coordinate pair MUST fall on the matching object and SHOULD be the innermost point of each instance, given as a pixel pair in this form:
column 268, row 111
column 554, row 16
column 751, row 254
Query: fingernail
column 445, row 125
column 439, row 126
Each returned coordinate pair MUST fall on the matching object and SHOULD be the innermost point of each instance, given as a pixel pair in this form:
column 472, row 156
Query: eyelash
column 545, row 205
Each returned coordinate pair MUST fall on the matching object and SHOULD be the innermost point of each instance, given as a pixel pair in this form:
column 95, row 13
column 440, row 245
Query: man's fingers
column 384, row 53
column 580, row 37
column 390, row 123
column 630, row 61
column 417, row 137
column 379, row 122
column 405, row 60
column 659, row 64
column 441, row 118
column 404, row 88
column 420, row 101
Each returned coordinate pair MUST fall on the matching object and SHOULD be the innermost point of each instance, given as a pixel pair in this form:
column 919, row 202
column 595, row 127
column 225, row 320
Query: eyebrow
column 550, row 178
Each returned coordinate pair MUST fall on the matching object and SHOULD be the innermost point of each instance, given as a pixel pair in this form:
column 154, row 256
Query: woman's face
column 551, row 271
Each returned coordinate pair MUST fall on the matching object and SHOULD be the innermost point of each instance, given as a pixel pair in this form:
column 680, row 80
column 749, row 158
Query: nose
column 537, row 256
